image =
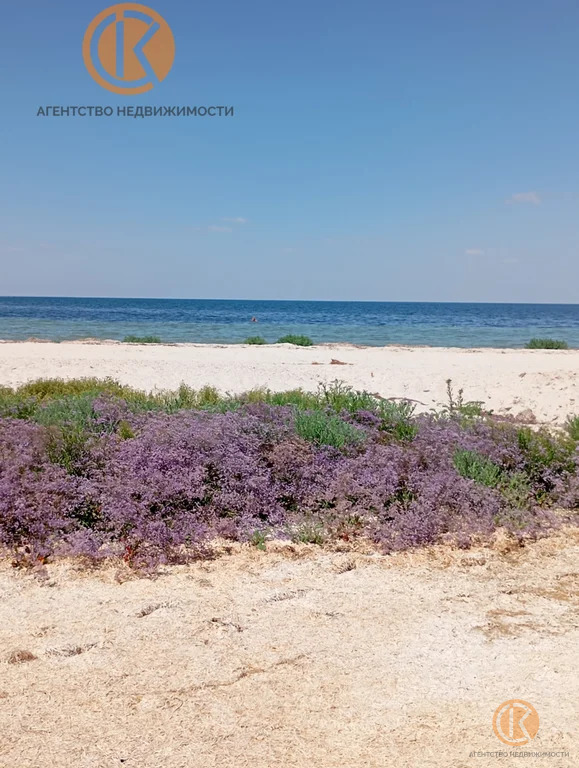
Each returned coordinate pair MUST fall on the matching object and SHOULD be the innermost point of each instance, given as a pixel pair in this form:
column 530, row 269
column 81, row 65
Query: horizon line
column 294, row 301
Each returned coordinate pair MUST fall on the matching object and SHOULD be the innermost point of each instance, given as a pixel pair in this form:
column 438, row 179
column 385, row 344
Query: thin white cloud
column 474, row 252
column 525, row 197
column 235, row 220
column 12, row 249
column 215, row 228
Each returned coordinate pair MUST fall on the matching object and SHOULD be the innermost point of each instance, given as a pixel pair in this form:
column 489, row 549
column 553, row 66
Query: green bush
column 546, row 457
column 54, row 402
column 259, row 540
column 309, row 533
column 300, row 341
column 255, row 340
column 187, row 398
column 74, row 412
column 326, row 429
column 478, row 468
column 15, row 406
column 466, row 410
column 27, row 401
column 516, row 489
column 142, row 340
column 67, row 446
column 124, row 430
column 572, row 427
column 341, row 397
column 296, row 397
column 72, row 424
column 336, row 396
column 515, row 486
column 397, row 421
column 546, row 344
column 48, row 389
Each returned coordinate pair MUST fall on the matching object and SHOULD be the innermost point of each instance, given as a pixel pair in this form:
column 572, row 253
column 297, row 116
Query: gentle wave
column 229, row 321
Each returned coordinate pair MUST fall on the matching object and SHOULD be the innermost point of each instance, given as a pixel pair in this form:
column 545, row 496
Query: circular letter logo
column 128, row 48
column 516, row 722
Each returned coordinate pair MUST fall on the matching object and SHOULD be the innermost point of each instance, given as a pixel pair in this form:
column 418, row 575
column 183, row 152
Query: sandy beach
column 298, row 655
column 508, row 381
column 293, row 657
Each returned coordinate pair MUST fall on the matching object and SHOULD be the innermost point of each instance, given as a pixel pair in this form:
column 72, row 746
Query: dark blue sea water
column 221, row 321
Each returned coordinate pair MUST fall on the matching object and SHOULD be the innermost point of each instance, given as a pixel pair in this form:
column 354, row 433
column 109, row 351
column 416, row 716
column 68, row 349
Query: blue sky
column 382, row 151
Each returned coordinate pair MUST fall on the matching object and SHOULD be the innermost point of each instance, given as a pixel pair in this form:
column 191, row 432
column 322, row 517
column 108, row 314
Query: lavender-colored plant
column 96, row 475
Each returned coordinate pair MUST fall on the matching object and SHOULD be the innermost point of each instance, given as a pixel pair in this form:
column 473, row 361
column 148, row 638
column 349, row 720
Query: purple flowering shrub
column 188, row 476
column 94, row 475
column 37, row 497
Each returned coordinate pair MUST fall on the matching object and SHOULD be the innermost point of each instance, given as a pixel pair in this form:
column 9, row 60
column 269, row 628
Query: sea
column 219, row 321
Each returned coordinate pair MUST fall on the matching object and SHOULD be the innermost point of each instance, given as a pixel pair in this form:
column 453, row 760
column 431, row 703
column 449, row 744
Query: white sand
column 296, row 656
column 302, row 659
column 507, row 381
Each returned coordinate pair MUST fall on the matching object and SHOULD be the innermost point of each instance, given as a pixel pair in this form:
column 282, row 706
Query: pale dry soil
column 291, row 657
column 508, row 381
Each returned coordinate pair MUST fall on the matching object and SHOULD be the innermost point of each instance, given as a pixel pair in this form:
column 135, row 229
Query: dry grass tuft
column 21, row 657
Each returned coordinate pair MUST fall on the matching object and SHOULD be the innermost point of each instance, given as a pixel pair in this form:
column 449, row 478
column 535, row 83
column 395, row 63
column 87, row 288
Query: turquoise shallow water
column 225, row 321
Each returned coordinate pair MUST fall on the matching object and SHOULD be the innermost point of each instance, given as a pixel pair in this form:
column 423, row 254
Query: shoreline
column 507, row 381
column 225, row 321
column 93, row 340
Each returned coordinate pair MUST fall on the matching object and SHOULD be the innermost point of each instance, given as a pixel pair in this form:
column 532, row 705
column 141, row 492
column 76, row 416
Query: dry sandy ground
column 545, row 381
column 292, row 657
